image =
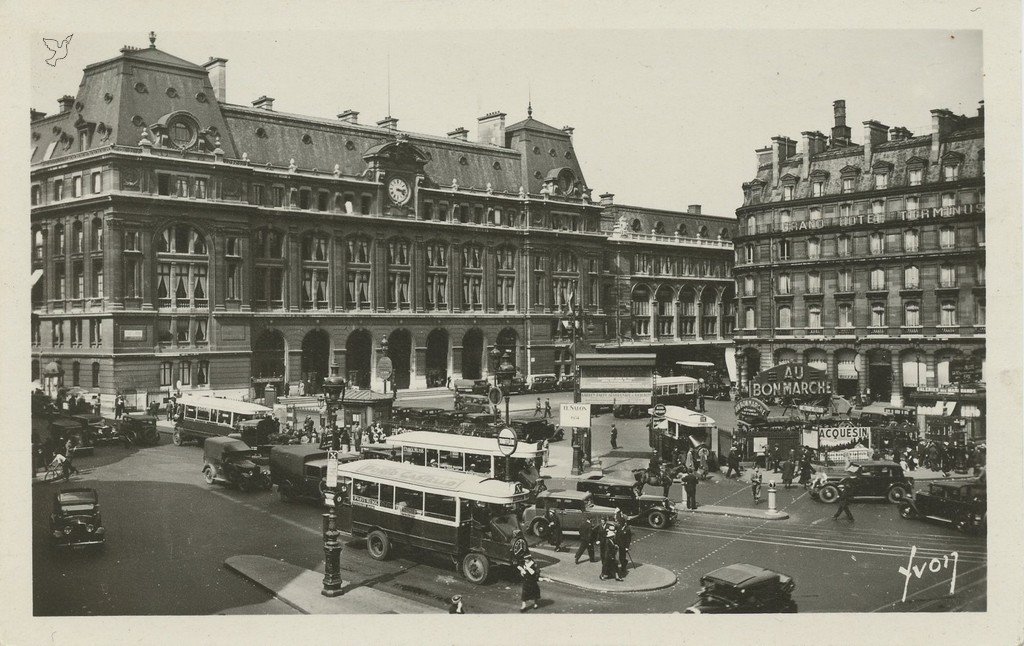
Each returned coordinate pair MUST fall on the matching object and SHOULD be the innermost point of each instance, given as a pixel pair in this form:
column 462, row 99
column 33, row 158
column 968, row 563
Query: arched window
column 472, row 277
column 505, row 278
column 784, row 284
column 878, row 314
column 911, row 240
column 96, row 234
column 947, row 276
column 681, row 230
column 95, row 374
column 182, row 282
column 77, row 237
column 37, row 244
column 357, row 274
column 636, row 226
column 659, row 227
column 399, row 275
column 813, row 248
column 315, row 271
column 181, row 239
column 723, row 234
column 748, row 319
column 877, row 278
column 703, row 232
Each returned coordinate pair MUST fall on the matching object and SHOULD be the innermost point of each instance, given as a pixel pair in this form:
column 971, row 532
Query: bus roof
column 461, row 443
column 668, row 381
column 471, row 486
column 695, row 364
column 222, row 404
column 688, row 417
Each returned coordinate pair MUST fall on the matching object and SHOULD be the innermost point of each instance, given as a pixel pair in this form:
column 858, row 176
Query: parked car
column 744, row 588
column 472, row 386
column 139, row 429
column 474, row 404
column 75, row 520
column 716, row 389
column 95, row 429
column 656, row 511
column 962, row 505
column 866, row 479
column 572, row 507
column 629, row 411
column 544, row 384
column 536, row 430
column 515, row 386
column 230, row 460
column 566, row 383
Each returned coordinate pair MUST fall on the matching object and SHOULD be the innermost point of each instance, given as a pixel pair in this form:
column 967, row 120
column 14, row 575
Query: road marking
column 263, row 510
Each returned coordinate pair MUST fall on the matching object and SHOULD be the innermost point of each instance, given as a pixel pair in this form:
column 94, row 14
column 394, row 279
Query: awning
column 846, row 370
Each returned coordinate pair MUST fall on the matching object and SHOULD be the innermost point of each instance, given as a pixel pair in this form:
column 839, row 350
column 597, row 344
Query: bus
column 681, row 429
column 465, row 516
column 197, row 417
column 714, row 381
column 468, row 454
column 671, row 391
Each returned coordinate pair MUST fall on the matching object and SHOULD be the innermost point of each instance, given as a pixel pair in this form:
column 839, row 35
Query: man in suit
column 555, row 530
column 844, row 501
column 623, row 538
column 690, row 486
column 455, row 607
column 588, row 534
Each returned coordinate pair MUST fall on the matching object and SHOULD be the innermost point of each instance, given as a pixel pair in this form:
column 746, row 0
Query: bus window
column 224, row 417
column 203, row 414
column 478, row 464
column 673, row 389
column 499, row 465
column 190, row 412
column 414, row 455
column 387, row 496
column 408, row 501
column 465, row 509
column 365, row 492
column 242, row 417
column 451, row 460
column 432, row 459
column 437, row 506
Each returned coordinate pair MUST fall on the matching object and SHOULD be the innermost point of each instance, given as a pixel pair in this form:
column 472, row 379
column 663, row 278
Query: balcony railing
column 674, row 240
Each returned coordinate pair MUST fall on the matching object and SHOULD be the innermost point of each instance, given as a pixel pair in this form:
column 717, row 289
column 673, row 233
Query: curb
column 739, row 512
column 666, row 578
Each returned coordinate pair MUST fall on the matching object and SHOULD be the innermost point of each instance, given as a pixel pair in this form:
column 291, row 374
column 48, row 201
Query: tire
column 907, row 511
column 896, row 494
column 476, row 568
column 209, row 474
column 657, row 519
column 378, row 545
column 539, row 527
column 828, row 494
column 177, row 438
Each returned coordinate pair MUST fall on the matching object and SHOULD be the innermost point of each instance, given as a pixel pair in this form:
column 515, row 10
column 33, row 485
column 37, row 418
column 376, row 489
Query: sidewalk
column 640, row 577
column 300, row 589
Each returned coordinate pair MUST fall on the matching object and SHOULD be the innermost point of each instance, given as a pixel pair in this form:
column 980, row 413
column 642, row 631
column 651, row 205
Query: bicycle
column 57, row 470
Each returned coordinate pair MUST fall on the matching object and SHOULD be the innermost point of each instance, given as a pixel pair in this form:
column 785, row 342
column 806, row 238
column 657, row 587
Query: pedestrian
column 609, row 551
column 666, row 480
column 537, row 409
column 95, row 405
column 455, row 607
column 734, row 463
column 615, row 437
column 844, row 501
column 700, row 401
column 805, row 472
column 359, row 437
column 555, row 530
column 448, row 382
column 755, row 485
column 788, row 468
column 118, row 406
column 530, row 572
column 588, row 536
column 690, row 486
column 547, row 408
column 545, row 446
column 623, row 539
column 703, row 459
column 346, row 439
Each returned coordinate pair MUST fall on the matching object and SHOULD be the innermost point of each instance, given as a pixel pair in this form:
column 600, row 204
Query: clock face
column 399, row 190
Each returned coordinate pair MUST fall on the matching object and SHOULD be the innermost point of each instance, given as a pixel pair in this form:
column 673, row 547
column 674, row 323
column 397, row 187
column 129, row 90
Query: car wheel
column 896, row 494
column 539, row 527
column 476, row 567
column 177, row 438
column 378, row 545
column 828, row 494
column 657, row 519
column 907, row 511
column 209, row 474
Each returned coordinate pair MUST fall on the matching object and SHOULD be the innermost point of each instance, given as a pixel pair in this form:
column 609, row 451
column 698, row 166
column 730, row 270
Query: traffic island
column 640, row 577
column 742, row 512
column 300, row 589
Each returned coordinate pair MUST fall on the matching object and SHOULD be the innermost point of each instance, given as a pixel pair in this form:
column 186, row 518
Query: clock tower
column 398, row 167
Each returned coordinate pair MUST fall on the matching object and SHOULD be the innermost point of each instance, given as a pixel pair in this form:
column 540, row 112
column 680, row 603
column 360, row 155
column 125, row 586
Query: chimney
column 942, row 123
column 35, row 115
column 65, row 103
column 981, row 110
column 874, row 133
column 490, row 129
column 388, row 122
column 694, row 209
column 607, row 199
column 782, row 148
column 349, row 116
column 217, row 70
column 568, row 130
column 840, row 131
column 264, row 103
column 899, row 133
column 810, row 143
column 459, row 133
column 764, row 156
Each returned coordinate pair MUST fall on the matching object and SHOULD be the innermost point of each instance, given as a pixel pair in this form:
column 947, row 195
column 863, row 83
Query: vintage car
column 536, row 430
column 629, row 411
column 566, row 383
column 230, row 461
column 75, row 520
column 744, row 588
column 866, row 479
column 962, row 505
column 139, row 429
column 472, row 386
column 656, row 511
column 95, row 429
column 515, row 386
column 544, row 384
column 474, row 404
column 573, row 509
column 300, row 471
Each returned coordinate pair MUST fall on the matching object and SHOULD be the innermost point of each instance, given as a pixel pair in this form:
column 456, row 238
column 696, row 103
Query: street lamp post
column 384, row 352
column 334, row 386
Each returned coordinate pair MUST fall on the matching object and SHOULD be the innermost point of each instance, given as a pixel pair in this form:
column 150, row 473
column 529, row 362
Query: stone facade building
column 866, row 260
column 181, row 241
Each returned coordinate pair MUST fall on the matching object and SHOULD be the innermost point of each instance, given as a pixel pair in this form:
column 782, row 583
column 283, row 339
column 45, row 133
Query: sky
column 663, row 118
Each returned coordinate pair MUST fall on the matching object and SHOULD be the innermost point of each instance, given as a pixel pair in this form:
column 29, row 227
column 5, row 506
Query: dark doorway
column 358, row 352
column 472, row 354
column 399, row 351
column 437, row 358
column 316, row 354
column 268, row 361
column 752, row 366
column 880, row 375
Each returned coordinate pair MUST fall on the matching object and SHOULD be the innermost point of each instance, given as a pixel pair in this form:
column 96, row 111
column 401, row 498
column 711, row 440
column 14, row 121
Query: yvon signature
column 935, row 566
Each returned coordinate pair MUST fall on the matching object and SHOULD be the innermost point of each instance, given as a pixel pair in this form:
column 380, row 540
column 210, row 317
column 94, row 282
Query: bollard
column 771, row 498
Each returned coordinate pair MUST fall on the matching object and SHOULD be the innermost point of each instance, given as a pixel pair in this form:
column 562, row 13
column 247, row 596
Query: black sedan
column 744, row 588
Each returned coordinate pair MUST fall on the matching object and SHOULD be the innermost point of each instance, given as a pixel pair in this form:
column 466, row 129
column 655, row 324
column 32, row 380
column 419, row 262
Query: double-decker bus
column 467, row 516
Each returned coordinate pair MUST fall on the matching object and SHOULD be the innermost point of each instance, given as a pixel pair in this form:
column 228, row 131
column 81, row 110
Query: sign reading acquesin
column 843, row 437
column 791, row 380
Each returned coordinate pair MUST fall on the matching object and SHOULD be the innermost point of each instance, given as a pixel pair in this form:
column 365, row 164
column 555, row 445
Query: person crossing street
column 537, row 409
column 844, row 501
column 755, row 485
column 615, row 437
column 547, row 408
column 555, row 531
column 690, row 486
column 588, row 536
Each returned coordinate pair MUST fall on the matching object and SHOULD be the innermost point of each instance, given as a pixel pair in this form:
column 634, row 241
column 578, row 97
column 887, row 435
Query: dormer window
column 881, row 180
column 951, row 172
column 787, row 192
column 915, row 176
column 847, row 184
column 182, row 135
column 817, row 188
